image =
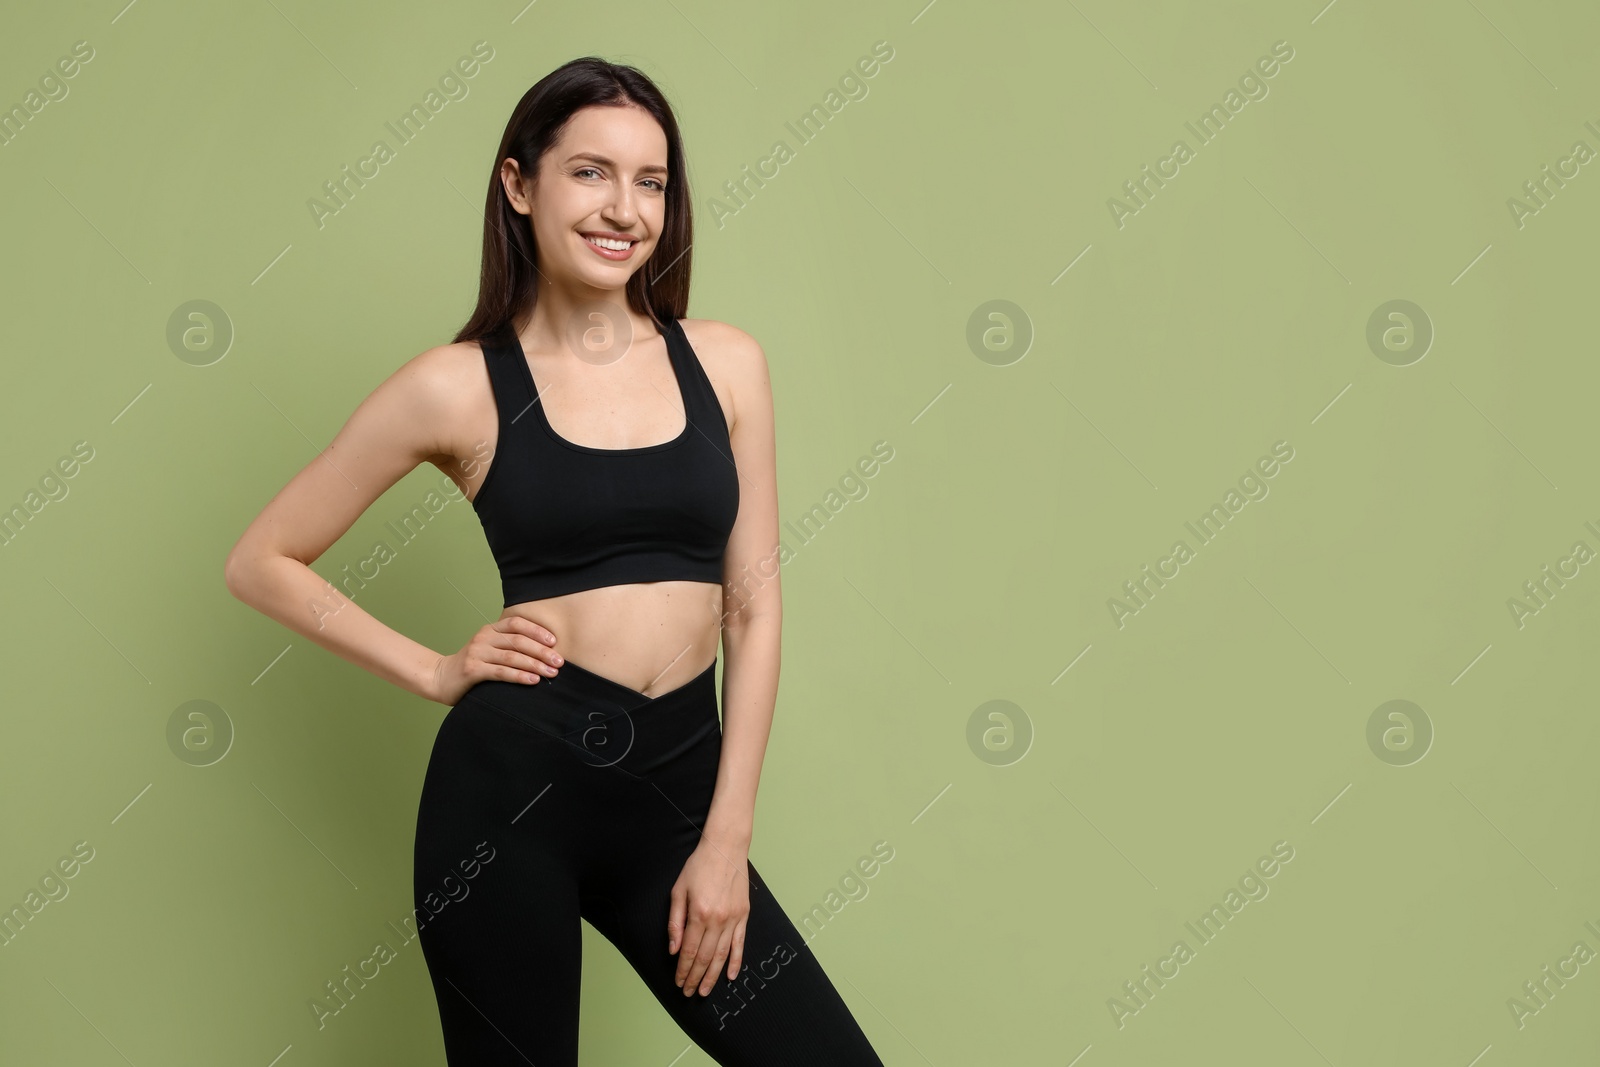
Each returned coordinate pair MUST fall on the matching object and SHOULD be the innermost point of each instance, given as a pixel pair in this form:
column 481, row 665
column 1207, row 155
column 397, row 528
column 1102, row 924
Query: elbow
column 233, row 576
column 237, row 571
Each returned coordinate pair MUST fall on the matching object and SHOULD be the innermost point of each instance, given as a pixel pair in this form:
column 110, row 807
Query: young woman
column 622, row 462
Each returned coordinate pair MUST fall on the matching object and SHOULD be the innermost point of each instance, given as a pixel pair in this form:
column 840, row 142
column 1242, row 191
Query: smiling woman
column 622, row 522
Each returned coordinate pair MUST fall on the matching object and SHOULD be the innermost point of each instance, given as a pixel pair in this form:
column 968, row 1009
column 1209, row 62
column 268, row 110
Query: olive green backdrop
column 1334, row 746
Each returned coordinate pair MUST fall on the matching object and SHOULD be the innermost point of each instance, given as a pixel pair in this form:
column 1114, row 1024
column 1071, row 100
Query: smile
column 610, row 248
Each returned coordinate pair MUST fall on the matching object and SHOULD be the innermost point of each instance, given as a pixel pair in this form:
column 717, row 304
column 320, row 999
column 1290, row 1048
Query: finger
column 500, row 673
column 723, row 942
column 514, row 656
column 525, row 643
column 523, row 666
column 535, row 658
column 693, row 978
column 538, row 649
column 675, row 923
column 517, row 624
column 702, row 959
column 688, row 955
column 736, row 951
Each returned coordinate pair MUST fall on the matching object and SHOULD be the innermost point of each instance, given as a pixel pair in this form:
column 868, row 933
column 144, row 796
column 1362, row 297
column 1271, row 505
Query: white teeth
column 603, row 242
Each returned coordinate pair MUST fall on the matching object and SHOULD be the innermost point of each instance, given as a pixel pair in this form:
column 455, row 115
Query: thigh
column 780, row 1010
column 496, row 893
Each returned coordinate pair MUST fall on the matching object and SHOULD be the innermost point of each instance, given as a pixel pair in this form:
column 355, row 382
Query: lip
column 606, row 253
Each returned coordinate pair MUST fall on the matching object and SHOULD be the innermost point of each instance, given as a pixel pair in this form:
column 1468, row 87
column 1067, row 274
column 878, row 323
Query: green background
column 1113, row 802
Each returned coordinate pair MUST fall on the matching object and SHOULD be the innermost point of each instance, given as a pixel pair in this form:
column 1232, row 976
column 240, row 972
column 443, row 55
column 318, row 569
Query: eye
column 584, row 170
column 660, row 186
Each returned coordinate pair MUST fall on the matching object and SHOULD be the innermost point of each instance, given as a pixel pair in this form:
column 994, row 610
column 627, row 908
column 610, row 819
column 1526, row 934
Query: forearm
column 749, row 695
column 292, row 593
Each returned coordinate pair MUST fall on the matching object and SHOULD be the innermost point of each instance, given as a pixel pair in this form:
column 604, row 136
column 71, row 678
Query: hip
column 601, row 722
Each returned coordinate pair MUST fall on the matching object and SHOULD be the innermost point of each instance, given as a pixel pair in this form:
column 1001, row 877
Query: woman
column 581, row 770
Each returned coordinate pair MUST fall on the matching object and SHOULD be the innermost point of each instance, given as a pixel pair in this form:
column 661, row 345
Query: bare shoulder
column 447, row 382
column 446, row 390
column 449, row 374
column 733, row 360
column 722, row 337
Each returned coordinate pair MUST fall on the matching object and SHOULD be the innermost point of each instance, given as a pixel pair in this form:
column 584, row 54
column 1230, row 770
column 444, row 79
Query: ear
column 517, row 187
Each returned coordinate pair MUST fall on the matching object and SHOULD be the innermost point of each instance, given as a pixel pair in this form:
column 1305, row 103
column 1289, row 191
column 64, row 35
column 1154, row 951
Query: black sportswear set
column 589, row 796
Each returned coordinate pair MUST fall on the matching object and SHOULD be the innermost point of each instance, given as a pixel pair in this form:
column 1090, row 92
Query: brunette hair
column 507, row 282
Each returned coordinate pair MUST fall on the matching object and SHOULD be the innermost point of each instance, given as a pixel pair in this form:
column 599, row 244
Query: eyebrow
column 650, row 168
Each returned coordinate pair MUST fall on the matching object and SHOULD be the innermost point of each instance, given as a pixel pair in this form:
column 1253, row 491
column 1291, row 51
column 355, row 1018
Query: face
column 604, row 180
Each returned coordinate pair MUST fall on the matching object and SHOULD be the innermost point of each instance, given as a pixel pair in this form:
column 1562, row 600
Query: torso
column 651, row 637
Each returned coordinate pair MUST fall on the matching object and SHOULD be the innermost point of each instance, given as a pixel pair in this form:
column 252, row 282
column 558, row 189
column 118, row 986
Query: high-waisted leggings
column 580, row 797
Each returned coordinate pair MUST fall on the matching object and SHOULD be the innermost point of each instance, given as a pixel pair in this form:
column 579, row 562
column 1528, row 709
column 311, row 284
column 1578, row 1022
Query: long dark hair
column 507, row 283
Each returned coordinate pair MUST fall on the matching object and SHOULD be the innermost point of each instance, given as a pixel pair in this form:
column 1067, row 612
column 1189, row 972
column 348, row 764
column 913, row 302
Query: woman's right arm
column 409, row 419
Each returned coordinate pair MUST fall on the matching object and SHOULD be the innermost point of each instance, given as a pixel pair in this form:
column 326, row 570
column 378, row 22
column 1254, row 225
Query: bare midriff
column 651, row 637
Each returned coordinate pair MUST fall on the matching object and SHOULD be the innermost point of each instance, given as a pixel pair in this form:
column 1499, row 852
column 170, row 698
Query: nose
column 622, row 212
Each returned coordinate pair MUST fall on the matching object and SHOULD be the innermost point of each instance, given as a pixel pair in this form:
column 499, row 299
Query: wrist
column 427, row 678
column 728, row 835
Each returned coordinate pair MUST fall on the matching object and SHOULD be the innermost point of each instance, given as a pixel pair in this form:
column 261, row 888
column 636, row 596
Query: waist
column 605, row 722
column 647, row 638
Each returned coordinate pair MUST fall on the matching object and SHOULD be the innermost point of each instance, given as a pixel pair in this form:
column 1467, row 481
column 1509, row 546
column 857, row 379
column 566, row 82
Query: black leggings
column 578, row 796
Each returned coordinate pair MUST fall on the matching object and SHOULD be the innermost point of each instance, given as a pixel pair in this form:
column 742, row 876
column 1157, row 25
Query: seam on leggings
column 557, row 738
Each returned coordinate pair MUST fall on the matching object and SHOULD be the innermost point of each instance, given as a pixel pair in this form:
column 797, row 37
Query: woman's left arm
column 752, row 599
column 711, row 901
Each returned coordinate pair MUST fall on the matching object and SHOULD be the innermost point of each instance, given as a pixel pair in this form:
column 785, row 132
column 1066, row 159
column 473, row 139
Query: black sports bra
column 562, row 517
